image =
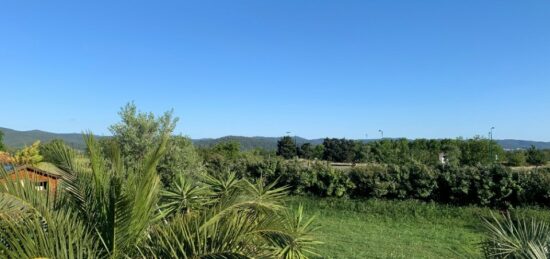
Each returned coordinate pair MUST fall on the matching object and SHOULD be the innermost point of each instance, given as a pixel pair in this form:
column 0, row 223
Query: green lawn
column 397, row 229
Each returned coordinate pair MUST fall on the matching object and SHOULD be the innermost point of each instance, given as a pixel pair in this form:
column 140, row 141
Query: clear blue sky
column 415, row 69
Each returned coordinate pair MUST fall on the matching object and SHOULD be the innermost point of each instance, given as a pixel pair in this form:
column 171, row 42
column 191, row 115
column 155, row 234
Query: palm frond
column 185, row 197
column 245, row 196
column 54, row 235
column 118, row 204
column 296, row 239
column 106, row 210
column 185, row 237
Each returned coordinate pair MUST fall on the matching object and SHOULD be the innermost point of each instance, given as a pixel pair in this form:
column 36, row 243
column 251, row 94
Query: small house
column 41, row 179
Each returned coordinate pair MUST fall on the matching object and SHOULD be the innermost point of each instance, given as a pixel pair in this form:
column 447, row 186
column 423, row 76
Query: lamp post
column 381, row 133
column 295, row 143
column 492, row 159
column 367, row 147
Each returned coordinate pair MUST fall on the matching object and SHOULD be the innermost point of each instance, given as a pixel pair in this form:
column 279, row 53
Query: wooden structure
column 42, row 180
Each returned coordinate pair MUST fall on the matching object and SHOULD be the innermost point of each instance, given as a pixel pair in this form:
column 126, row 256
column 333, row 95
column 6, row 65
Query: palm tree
column 244, row 219
column 105, row 210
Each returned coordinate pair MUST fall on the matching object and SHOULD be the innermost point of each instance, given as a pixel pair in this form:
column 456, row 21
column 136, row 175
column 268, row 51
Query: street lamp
column 381, row 133
column 491, row 158
column 295, row 142
column 367, row 147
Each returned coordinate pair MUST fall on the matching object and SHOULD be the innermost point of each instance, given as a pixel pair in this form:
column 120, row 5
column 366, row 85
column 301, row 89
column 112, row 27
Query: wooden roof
column 35, row 170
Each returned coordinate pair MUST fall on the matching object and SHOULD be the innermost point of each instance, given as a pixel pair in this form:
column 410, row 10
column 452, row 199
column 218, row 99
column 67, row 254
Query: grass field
column 398, row 229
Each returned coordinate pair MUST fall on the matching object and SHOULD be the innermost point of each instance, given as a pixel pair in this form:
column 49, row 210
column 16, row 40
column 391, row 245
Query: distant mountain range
column 247, row 143
column 270, row 143
column 18, row 139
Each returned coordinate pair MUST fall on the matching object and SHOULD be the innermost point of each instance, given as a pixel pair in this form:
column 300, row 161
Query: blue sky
column 415, row 69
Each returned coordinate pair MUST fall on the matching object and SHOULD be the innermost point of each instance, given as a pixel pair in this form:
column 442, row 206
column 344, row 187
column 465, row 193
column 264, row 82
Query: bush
column 536, row 187
column 421, row 182
column 315, row 178
column 371, row 181
column 496, row 186
column 535, row 156
column 456, row 184
column 486, row 185
column 516, row 158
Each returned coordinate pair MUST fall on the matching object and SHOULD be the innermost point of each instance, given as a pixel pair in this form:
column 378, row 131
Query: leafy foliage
column 2, row 146
column 402, row 151
column 109, row 210
column 535, row 156
column 241, row 222
column 6, row 158
column 139, row 132
column 516, row 158
column 47, row 150
column 487, row 185
column 29, row 155
column 286, row 147
column 180, row 158
column 306, row 151
column 338, row 150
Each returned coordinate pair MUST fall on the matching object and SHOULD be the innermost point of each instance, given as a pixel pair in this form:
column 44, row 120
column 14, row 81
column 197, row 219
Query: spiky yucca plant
column 512, row 237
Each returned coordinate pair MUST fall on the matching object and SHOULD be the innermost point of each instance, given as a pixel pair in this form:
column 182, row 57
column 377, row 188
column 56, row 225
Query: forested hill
column 17, row 139
column 269, row 143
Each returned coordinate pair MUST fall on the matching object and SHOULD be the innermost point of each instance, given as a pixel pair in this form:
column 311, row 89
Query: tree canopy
column 29, row 155
column 138, row 132
column 338, row 150
column 535, row 156
column 2, row 146
column 286, row 147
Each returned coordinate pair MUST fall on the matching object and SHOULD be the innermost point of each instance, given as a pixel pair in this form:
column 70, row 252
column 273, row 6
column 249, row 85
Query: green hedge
column 495, row 186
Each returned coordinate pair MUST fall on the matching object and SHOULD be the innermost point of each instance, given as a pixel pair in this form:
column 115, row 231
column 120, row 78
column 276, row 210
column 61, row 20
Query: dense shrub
column 421, row 181
column 314, row 178
column 496, row 186
column 486, row 185
column 455, row 184
column 536, row 186
column 516, row 158
column 372, row 181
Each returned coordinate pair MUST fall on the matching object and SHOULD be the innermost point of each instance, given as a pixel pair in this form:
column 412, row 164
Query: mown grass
column 399, row 229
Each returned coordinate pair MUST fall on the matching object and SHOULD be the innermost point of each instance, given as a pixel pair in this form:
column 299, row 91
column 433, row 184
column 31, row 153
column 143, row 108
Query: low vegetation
column 107, row 210
column 432, row 152
column 145, row 193
column 486, row 185
column 405, row 229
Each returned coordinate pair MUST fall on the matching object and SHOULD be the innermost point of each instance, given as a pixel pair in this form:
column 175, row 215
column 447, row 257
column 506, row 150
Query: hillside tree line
column 399, row 151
